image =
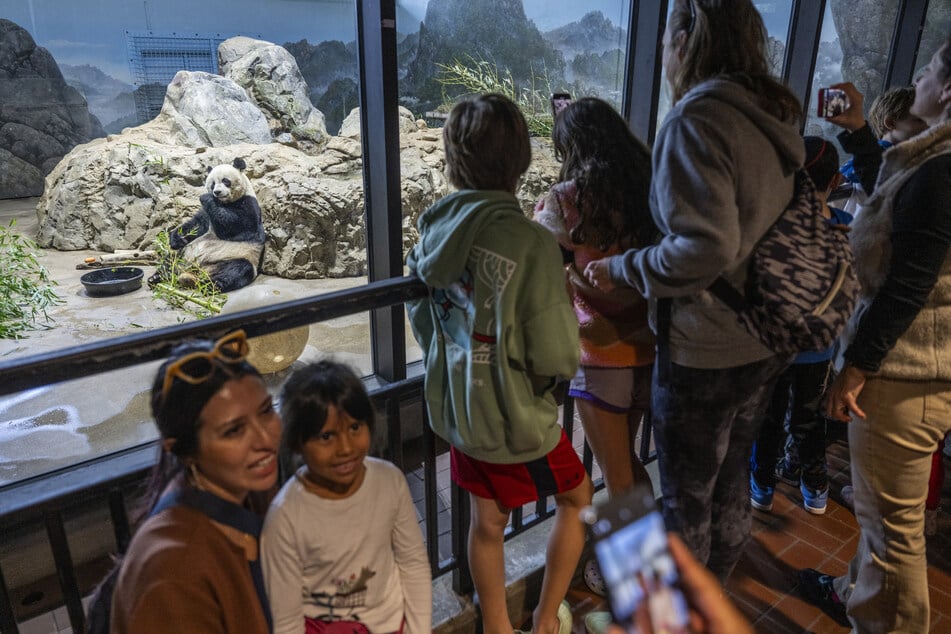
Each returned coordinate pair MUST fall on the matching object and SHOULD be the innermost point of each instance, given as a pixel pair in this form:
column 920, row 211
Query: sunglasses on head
column 197, row 367
column 693, row 16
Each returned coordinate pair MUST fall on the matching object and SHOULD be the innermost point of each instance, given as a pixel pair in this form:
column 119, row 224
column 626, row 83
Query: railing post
column 394, row 428
column 8, row 622
column 56, row 532
column 461, row 575
column 429, row 487
column 120, row 520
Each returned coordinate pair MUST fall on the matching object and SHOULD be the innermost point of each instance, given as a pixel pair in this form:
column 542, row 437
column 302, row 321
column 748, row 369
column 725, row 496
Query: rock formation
column 41, row 117
column 120, row 191
column 272, row 79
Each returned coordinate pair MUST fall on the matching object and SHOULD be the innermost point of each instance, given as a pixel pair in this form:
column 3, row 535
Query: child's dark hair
column 307, row 396
column 612, row 171
column 822, row 161
column 487, row 145
column 893, row 104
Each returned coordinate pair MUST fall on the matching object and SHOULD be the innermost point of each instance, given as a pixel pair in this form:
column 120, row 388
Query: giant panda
column 225, row 238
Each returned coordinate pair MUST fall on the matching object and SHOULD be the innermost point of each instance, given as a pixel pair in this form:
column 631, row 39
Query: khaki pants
column 886, row 588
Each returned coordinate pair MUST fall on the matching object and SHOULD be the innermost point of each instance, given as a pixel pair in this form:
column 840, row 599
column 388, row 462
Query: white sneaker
column 565, row 620
column 597, row 622
column 848, row 497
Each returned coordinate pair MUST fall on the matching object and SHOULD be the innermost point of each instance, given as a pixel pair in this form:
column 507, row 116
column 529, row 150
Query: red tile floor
column 787, row 539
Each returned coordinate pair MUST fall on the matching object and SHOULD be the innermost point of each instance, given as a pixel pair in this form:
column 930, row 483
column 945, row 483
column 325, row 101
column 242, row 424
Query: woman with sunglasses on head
column 192, row 565
column 724, row 165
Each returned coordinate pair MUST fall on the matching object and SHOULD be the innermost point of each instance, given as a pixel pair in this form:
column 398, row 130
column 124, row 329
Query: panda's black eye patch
column 226, row 182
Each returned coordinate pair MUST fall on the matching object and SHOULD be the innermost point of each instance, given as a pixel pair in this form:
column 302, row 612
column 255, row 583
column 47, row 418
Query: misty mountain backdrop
column 585, row 56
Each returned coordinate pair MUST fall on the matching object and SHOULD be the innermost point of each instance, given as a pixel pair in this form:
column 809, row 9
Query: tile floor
column 764, row 584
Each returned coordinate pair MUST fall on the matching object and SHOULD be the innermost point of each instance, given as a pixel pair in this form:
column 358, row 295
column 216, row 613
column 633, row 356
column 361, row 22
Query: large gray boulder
column 272, row 79
column 41, row 117
column 209, row 110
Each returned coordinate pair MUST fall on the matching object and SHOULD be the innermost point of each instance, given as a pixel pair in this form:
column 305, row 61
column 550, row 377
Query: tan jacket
column 186, row 573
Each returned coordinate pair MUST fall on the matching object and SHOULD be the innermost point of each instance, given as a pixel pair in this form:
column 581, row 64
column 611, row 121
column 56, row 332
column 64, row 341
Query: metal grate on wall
column 154, row 58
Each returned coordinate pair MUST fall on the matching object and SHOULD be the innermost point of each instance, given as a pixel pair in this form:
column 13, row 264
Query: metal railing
column 42, row 502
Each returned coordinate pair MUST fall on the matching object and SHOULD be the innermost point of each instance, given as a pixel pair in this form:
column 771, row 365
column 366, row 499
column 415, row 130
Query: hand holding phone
column 640, row 574
column 832, row 102
column 559, row 101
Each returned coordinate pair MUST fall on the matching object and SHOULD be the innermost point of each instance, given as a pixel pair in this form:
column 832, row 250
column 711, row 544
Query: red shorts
column 513, row 485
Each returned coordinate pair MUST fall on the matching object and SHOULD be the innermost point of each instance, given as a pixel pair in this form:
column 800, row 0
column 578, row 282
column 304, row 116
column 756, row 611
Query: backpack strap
column 663, row 340
column 727, row 293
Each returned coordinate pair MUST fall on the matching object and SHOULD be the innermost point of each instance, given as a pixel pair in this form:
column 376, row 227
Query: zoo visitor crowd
column 608, row 286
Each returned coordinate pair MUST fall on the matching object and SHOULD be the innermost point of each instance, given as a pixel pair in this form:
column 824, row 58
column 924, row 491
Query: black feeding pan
column 117, row 280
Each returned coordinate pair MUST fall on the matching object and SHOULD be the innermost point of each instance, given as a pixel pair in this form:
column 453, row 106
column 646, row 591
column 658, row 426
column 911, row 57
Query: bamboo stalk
column 188, row 297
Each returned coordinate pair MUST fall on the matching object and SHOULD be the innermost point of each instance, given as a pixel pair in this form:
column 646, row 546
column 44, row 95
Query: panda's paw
column 188, row 280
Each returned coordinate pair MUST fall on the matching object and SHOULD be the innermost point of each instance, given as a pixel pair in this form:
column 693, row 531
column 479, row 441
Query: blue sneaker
column 814, row 500
column 761, row 497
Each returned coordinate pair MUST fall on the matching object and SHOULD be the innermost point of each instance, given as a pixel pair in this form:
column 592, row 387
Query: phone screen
column 832, row 102
column 559, row 101
column 631, row 548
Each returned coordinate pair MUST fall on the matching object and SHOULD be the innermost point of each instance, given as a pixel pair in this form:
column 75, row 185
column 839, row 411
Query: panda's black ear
column 239, row 164
column 208, row 171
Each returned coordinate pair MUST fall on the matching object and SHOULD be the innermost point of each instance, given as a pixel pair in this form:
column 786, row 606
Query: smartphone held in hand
column 630, row 543
column 832, row 102
column 559, row 101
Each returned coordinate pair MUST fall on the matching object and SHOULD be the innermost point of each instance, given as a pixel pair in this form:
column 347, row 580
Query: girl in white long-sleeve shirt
column 341, row 546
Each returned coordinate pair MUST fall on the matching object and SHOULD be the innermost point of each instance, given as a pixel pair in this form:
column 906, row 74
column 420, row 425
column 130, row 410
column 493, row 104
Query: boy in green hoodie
column 497, row 333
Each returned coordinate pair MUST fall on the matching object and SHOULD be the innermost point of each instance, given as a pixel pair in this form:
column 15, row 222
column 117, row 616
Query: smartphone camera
column 832, row 102
column 630, row 544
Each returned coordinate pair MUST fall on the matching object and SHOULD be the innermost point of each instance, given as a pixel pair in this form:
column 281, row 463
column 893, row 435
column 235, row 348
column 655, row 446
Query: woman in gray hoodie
column 724, row 164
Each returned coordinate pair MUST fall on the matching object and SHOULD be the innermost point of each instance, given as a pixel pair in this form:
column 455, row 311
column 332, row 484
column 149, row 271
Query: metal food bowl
column 112, row 281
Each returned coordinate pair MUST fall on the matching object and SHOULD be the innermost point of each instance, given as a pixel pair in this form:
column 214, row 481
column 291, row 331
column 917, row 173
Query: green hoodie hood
column 448, row 229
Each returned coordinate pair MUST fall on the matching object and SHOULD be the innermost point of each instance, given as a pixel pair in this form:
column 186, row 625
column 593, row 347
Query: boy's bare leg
column 561, row 559
column 487, row 562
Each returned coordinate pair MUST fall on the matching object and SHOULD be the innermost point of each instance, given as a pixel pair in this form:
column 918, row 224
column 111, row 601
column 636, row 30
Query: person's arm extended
column 921, row 236
column 409, row 552
column 695, row 194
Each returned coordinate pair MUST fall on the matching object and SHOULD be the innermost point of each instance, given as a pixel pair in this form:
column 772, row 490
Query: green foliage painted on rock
column 477, row 76
column 26, row 289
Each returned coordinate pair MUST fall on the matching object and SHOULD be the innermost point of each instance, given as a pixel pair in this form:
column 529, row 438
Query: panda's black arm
column 239, row 221
column 187, row 232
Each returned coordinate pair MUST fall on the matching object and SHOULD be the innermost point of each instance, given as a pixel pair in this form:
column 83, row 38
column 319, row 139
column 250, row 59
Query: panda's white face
column 227, row 183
